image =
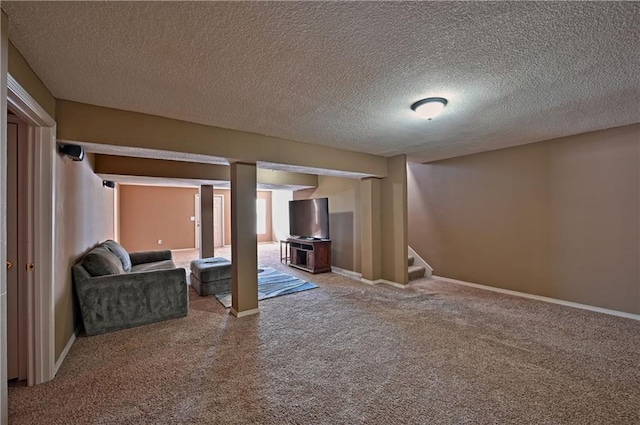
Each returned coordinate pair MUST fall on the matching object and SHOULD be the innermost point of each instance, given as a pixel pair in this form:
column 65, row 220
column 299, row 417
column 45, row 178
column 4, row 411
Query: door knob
column 9, row 265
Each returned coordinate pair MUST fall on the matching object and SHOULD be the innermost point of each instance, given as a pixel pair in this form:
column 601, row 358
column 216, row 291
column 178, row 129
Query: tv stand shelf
column 310, row 255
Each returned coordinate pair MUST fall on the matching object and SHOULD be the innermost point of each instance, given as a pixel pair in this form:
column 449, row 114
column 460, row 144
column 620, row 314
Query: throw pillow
column 101, row 262
column 119, row 252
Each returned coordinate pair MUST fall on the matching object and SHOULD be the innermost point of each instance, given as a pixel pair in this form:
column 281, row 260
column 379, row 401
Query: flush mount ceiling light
column 429, row 107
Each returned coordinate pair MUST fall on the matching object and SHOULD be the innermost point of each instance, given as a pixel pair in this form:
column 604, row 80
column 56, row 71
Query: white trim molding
column 346, row 273
column 541, row 298
column 44, row 252
column 26, row 106
column 358, row 276
column 244, row 313
column 65, row 351
column 383, row 281
column 116, row 212
column 41, row 308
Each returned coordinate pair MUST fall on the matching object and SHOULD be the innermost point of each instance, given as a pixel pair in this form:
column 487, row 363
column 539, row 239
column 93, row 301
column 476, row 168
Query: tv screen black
column 309, row 218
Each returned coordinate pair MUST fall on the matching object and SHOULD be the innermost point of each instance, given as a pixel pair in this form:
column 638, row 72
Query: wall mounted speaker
column 74, row 152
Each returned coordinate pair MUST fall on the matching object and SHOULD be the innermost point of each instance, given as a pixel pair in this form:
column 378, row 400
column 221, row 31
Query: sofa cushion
column 158, row 265
column 141, row 257
column 102, row 262
column 119, row 252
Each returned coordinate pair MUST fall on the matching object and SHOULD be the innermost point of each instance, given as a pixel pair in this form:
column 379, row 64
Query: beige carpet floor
column 349, row 353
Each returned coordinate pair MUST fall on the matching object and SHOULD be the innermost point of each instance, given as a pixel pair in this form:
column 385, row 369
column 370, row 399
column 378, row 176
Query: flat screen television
column 309, row 218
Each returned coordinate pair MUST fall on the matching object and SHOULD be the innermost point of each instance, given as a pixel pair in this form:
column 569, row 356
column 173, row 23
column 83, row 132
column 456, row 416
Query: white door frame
column 40, row 302
column 116, row 212
column 196, row 225
column 222, row 229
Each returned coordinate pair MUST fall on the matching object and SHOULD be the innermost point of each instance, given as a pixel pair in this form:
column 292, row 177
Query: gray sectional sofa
column 117, row 289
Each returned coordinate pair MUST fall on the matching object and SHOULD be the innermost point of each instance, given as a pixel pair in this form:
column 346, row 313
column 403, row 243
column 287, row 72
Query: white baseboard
column 244, row 313
column 64, row 353
column 346, row 273
column 394, row 284
column 544, row 299
column 384, row 281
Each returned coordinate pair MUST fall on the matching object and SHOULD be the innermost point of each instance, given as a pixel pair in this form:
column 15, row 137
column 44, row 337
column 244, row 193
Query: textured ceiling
column 344, row 74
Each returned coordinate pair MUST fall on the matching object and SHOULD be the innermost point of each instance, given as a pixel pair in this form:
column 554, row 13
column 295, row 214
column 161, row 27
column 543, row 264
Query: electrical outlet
column 159, row 241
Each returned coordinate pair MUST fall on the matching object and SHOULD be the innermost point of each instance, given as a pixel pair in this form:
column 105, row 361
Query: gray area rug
column 272, row 283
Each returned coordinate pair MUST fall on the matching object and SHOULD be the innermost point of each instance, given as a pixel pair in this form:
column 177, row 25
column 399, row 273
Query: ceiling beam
column 80, row 122
column 160, row 168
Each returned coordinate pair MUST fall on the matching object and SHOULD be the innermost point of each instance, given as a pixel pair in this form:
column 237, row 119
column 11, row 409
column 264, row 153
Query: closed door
column 218, row 239
column 16, row 320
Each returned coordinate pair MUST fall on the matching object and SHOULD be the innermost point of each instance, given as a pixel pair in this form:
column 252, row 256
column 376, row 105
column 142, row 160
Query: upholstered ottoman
column 210, row 276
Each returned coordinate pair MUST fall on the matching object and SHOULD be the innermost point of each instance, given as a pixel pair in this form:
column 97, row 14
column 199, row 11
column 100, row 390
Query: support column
column 244, row 240
column 394, row 221
column 371, row 231
column 206, row 221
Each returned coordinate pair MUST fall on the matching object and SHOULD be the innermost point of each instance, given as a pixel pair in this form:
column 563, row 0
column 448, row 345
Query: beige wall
column 22, row 72
column 559, row 218
column 344, row 218
column 149, row 213
column 84, row 217
column 261, row 194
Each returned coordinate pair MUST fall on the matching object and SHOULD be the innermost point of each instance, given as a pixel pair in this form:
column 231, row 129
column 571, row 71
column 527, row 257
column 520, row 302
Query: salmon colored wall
column 149, row 213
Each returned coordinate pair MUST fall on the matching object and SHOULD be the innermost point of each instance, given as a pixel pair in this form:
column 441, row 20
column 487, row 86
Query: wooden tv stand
column 310, row 255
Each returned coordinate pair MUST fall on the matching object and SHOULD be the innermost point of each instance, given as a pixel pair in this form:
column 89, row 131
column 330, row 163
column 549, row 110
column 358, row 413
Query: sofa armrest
column 141, row 257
